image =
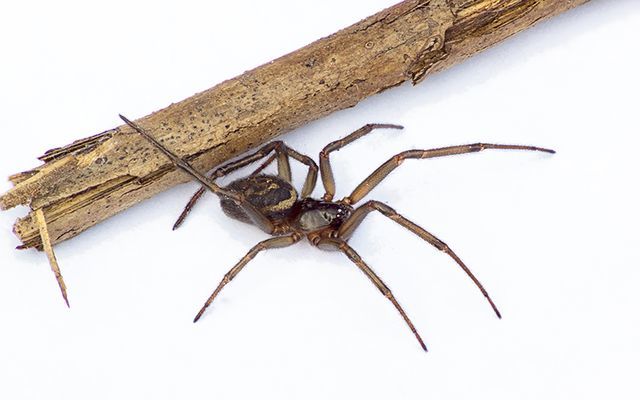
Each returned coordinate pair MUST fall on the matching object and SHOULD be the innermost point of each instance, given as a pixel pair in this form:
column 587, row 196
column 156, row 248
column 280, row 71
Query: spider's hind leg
column 281, row 154
column 283, row 167
column 257, row 218
column 350, row 225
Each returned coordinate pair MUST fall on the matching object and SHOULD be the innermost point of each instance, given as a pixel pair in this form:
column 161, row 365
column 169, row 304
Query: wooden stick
column 92, row 179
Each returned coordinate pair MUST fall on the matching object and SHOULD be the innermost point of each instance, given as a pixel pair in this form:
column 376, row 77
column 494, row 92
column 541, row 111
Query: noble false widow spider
column 272, row 203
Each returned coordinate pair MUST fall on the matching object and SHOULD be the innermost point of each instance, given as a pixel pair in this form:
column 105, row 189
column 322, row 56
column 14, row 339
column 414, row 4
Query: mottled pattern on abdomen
column 269, row 194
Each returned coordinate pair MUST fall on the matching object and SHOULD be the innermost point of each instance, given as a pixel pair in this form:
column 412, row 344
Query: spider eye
column 327, row 217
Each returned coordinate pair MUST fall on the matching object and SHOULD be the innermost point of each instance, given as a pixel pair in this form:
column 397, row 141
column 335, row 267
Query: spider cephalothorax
column 312, row 215
column 272, row 204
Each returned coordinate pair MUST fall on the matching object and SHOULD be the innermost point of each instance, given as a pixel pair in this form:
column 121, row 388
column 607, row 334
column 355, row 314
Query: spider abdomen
column 271, row 195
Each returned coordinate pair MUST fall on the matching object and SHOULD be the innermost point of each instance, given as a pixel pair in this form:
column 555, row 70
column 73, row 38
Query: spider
column 272, row 204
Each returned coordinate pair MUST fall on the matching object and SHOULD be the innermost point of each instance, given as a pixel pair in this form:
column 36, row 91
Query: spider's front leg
column 350, row 225
column 394, row 162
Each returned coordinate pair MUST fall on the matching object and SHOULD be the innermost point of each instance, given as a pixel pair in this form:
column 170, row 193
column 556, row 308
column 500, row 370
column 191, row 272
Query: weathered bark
column 92, row 179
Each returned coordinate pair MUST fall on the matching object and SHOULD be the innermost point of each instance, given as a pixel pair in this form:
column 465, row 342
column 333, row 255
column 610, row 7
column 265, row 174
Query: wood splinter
column 48, row 249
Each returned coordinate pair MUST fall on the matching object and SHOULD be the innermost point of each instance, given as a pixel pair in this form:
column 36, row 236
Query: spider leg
column 187, row 209
column 312, row 175
column 200, row 192
column 350, row 225
column 233, row 166
column 281, row 153
column 278, row 242
column 258, row 219
column 180, row 163
column 394, row 162
column 341, row 245
column 325, row 166
column 264, row 165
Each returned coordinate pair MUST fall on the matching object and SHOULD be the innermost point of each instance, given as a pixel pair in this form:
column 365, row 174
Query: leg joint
column 399, row 158
column 442, row 246
column 478, row 147
column 347, row 200
column 382, row 208
column 312, row 165
column 279, row 145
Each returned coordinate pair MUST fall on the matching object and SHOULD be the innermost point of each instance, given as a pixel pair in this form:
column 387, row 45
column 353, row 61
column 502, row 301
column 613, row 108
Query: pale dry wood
column 48, row 249
column 92, row 179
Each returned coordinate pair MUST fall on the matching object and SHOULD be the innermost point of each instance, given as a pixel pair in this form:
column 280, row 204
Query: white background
column 554, row 238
